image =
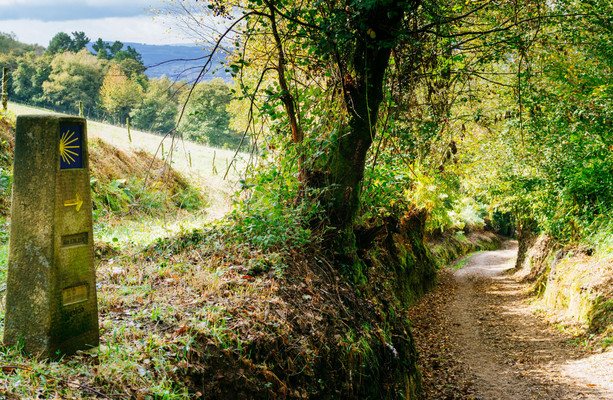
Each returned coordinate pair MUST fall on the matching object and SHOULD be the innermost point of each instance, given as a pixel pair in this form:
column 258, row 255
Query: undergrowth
column 572, row 282
column 221, row 312
column 134, row 184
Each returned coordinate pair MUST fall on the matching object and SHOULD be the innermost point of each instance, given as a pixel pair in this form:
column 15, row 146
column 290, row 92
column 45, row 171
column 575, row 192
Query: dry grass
column 152, row 306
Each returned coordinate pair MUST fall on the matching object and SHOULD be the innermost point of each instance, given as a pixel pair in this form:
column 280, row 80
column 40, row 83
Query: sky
column 37, row 21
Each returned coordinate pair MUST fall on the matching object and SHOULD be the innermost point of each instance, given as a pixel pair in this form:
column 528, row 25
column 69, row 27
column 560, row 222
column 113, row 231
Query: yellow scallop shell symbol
column 67, row 145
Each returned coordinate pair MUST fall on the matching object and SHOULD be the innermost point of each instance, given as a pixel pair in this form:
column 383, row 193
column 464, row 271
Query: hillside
column 203, row 166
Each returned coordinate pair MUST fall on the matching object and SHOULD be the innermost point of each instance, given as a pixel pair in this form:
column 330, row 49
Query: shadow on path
column 478, row 339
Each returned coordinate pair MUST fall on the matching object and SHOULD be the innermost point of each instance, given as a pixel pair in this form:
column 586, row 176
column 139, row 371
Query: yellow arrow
column 74, row 202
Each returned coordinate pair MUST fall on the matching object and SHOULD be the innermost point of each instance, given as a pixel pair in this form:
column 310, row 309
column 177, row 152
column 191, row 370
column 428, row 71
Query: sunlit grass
column 145, row 230
column 600, row 236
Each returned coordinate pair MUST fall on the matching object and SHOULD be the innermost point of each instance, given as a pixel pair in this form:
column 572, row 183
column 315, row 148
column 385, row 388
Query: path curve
column 479, row 339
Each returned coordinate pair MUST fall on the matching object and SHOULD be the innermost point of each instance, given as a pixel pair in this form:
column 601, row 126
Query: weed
column 606, row 341
column 460, row 263
column 584, row 340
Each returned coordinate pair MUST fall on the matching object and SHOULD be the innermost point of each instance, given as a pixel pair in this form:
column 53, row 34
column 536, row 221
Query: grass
column 145, row 231
column 600, row 236
column 461, row 262
column 152, row 305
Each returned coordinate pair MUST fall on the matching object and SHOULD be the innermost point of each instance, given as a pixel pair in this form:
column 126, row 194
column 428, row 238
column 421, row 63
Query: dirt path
column 479, row 339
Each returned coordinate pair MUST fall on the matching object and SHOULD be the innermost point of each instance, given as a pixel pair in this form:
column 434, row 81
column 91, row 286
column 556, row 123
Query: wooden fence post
column 5, row 88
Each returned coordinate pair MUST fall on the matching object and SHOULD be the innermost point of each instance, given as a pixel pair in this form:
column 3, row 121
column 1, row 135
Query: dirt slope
column 479, row 339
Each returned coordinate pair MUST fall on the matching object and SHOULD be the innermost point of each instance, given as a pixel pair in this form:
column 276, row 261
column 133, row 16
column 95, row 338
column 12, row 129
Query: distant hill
column 158, row 59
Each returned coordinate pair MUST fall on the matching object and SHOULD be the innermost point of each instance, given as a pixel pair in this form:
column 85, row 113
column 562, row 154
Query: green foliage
column 67, row 74
column 119, row 94
column 114, row 196
column 599, row 234
column 265, row 214
column 552, row 148
column 157, row 112
column 63, row 42
column 60, row 42
column 207, row 119
column 100, row 47
column 28, row 76
column 107, row 51
column 271, row 227
column 131, row 197
column 73, row 78
column 6, row 181
column 447, row 206
column 23, row 86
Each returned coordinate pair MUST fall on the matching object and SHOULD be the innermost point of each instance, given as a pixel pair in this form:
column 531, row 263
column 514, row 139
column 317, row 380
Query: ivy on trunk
column 376, row 27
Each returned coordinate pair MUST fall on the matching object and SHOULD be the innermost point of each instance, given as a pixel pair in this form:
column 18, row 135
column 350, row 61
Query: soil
column 479, row 338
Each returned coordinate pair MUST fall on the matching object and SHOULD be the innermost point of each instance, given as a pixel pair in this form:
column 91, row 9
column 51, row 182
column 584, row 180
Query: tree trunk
column 363, row 86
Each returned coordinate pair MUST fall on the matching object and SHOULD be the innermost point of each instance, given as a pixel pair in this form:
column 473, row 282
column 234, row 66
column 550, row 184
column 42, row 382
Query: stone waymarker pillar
column 51, row 304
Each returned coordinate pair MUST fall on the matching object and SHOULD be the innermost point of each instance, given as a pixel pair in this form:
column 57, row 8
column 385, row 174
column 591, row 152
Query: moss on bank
column 449, row 246
column 572, row 282
column 319, row 336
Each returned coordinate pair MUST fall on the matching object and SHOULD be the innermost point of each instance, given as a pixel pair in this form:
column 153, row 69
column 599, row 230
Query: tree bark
column 363, row 87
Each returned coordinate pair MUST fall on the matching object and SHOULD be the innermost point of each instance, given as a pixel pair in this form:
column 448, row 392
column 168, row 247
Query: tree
column 115, row 48
column 158, row 110
column 73, row 78
column 41, row 75
column 100, row 47
column 133, row 70
column 28, row 76
column 63, row 42
column 79, row 41
column 114, row 51
column 346, row 48
column 60, row 42
column 207, row 119
column 23, row 86
column 119, row 94
column 129, row 54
